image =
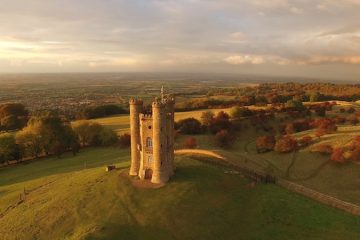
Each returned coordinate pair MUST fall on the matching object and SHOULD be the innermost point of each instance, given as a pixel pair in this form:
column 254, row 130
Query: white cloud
column 244, row 59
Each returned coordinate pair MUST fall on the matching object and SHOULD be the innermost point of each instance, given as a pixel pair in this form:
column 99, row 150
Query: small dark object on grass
column 110, row 168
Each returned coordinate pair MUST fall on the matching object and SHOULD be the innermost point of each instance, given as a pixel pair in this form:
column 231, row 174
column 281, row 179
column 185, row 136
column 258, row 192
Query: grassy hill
column 74, row 198
column 303, row 167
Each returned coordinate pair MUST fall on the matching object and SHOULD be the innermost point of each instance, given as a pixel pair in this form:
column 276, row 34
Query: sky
column 310, row 38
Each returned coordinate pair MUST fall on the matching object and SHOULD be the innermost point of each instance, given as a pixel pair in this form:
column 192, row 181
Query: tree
column 224, row 138
column 10, row 122
column 125, row 140
column 289, row 128
column 221, row 122
column 285, row 144
column 46, row 133
column 90, row 133
column 240, row 112
column 190, row 142
column 9, row 150
column 265, row 143
column 13, row 116
column 189, row 126
column 314, row 97
column 207, row 118
column 305, row 141
column 338, row 155
column 295, row 105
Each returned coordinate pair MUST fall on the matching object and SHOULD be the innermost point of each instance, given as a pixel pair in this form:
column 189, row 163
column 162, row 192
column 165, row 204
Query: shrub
column 285, row 144
column 224, row 138
column 265, row 143
column 190, row 142
column 338, row 155
column 189, row 126
column 125, row 140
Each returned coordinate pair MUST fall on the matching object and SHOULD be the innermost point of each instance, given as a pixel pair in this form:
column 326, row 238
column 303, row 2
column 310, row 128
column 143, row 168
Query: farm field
column 70, row 200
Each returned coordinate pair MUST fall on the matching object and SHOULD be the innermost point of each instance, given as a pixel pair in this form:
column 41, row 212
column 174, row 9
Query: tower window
column 149, row 127
column 148, row 142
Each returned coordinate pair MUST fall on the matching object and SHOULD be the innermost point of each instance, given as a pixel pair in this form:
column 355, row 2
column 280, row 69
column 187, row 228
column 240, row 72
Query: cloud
column 244, row 59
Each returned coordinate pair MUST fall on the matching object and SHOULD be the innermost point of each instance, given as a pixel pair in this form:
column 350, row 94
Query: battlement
column 158, row 104
column 135, row 101
column 146, row 116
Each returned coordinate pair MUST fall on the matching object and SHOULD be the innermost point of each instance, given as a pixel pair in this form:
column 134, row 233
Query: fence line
column 320, row 197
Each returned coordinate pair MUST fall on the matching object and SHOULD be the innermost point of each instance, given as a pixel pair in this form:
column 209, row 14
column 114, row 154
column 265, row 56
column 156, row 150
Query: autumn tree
column 265, row 143
column 224, row 138
column 285, row 144
column 338, row 155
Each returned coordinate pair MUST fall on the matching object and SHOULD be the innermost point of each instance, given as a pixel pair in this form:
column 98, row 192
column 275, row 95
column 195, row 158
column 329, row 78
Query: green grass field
column 303, row 167
column 74, row 198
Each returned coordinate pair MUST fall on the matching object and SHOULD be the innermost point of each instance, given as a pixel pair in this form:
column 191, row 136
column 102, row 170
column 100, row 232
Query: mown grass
column 68, row 201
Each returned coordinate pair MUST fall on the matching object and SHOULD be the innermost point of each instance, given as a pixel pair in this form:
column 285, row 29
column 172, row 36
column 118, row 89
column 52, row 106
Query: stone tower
column 152, row 139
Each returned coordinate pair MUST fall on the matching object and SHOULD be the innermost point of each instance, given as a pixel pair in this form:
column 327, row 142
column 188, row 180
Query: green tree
column 9, row 150
column 207, row 118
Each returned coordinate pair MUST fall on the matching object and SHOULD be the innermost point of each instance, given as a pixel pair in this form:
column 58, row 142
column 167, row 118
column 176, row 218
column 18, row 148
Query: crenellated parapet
column 135, row 101
column 158, row 104
column 145, row 116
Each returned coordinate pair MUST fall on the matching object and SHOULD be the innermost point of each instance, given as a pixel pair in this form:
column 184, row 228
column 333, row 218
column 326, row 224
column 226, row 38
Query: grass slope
column 68, row 201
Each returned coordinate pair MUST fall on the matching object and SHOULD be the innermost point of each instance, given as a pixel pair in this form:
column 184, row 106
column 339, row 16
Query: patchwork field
column 74, row 198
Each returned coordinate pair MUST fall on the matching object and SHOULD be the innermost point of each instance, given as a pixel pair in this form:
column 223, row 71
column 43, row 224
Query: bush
column 338, row 155
column 189, row 126
column 190, row 142
column 224, row 138
column 286, row 144
column 265, row 143
column 125, row 140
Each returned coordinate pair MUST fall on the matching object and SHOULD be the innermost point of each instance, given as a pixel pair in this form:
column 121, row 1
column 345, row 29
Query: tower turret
column 135, row 110
column 159, row 154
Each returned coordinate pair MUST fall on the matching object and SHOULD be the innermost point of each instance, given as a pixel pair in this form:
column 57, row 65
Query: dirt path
column 199, row 152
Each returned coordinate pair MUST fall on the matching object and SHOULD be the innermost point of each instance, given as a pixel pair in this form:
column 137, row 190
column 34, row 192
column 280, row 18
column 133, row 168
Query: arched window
column 148, row 142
